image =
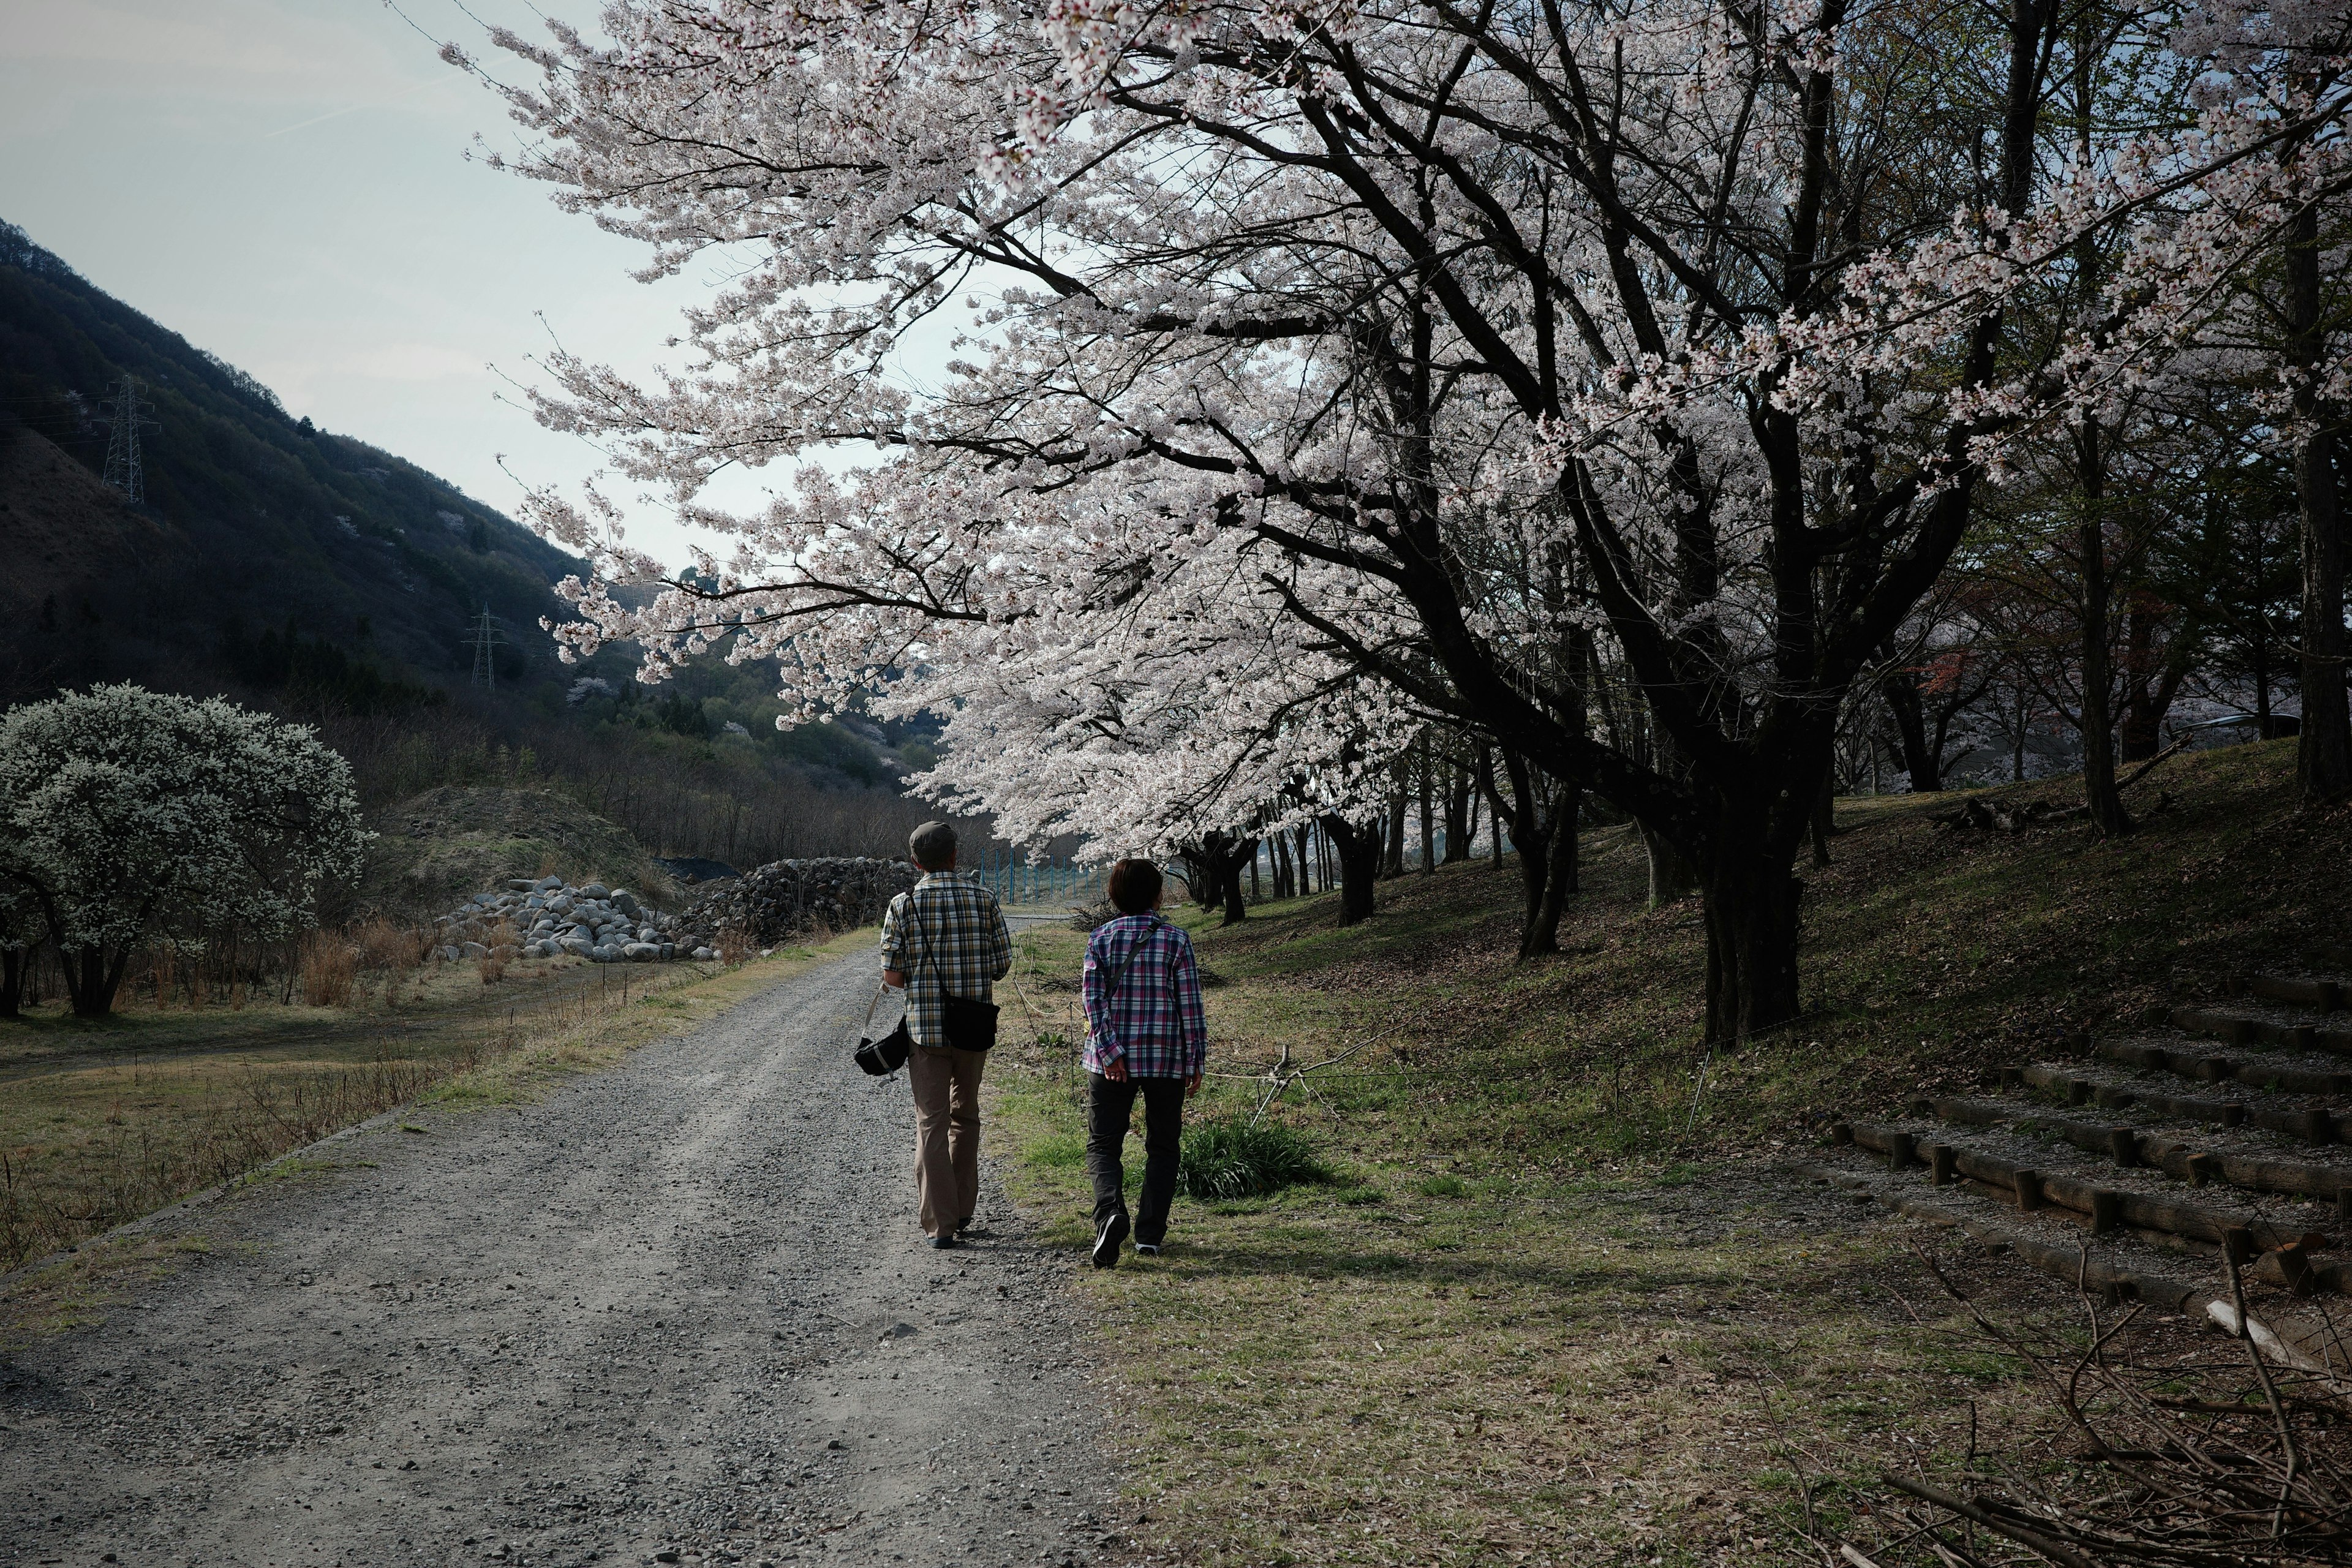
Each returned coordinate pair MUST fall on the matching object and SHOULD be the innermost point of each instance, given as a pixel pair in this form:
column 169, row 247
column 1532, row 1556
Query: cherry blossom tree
column 126, row 813
column 1415, row 341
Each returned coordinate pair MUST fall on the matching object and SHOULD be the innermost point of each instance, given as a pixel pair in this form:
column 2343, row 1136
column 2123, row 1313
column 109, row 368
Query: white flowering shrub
column 125, row 813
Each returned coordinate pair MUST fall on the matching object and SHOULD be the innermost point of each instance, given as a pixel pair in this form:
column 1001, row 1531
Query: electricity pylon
column 126, row 465
column 482, row 635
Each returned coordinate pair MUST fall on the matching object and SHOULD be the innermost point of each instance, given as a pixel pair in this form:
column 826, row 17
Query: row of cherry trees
column 1203, row 406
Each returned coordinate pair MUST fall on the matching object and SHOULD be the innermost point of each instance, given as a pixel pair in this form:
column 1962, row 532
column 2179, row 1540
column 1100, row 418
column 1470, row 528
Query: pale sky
column 284, row 183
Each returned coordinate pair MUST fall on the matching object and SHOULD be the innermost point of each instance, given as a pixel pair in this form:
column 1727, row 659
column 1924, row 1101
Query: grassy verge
column 101, row 1124
column 1556, row 1307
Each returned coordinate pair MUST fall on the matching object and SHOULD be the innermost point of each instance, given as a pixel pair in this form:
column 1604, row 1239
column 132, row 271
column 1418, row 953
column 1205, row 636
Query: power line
column 126, row 465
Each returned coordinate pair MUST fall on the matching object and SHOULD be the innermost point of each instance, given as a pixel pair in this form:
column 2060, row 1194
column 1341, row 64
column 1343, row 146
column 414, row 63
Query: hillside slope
column 264, row 519
column 1556, row 1301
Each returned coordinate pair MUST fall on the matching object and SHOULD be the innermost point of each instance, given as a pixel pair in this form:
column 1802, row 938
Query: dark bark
column 1236, row 853
column 1395, row 866
column 2152, row 675
column 1461, row 813
column 1561, row 881
column 2323, row 757
column 1540, row 818
column 1750, row 904
column 2107, row 816
column 1824, row 823
column 1900, row 688
column 1672, row 876
column 13, row 963
column 92, row 976
column 1428, row 829
column 1358, row 850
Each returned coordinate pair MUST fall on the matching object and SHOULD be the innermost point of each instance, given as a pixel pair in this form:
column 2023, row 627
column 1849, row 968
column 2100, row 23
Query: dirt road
column 675, row 1311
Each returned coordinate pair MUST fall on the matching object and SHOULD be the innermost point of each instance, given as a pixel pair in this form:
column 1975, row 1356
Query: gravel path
column 677, row 1311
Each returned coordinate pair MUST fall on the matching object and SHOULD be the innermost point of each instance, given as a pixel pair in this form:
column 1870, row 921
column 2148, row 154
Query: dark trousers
column 1110, row 1107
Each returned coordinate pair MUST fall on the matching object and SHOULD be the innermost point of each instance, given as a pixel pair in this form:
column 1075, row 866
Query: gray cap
column 932, row 845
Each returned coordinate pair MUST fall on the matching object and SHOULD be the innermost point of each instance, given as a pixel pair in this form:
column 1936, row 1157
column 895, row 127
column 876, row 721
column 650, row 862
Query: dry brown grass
column 387, row 946
column 330, row 969
column 734, row 945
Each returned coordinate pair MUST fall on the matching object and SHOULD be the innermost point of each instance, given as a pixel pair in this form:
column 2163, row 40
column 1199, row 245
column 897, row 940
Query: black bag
column 885, row 1056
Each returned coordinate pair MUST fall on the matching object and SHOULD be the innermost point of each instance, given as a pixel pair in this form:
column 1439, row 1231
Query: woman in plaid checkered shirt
column 1146, row 1035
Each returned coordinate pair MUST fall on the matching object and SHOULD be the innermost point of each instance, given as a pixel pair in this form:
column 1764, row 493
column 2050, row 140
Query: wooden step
column 2295, row 990
column 2245, row 1029
column 2109, row 1208
column 2130, row 1146
column 2311, row 1348
column 2315, row 1125
column 2208, row 1067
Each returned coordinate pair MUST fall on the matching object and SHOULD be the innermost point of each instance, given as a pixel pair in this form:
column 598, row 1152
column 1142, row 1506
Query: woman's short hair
column 1134, row 886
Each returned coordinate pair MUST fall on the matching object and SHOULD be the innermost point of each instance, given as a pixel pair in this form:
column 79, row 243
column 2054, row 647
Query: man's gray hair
column 932, row 845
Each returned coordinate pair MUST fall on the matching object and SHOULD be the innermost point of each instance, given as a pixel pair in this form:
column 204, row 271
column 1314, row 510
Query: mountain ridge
column 253, row 517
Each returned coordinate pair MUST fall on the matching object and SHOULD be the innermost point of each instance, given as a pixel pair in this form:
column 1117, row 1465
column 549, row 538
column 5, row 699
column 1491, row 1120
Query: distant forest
column 324, row 578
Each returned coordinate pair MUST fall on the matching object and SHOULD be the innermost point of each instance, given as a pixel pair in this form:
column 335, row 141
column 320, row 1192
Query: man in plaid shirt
column 1146, row 1035
column 945, row 937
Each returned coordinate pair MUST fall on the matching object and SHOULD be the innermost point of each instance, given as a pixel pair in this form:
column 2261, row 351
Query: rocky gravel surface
column 678, row 1311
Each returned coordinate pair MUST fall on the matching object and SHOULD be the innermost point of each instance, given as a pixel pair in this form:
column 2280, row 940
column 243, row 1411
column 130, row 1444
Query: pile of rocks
column 549, row 918
column 786, row 897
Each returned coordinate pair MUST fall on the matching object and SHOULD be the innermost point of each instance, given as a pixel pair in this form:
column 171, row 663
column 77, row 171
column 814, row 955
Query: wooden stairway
column 2216, row 1133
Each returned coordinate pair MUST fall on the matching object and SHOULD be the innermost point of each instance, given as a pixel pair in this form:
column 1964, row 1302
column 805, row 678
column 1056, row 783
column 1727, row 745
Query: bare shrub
column 734, row 946
column 2160, row 1446
column 493, row 964
column 385, row 945
column 330, row 965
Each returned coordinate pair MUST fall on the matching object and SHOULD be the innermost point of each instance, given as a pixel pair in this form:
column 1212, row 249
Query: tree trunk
column 1257, row 895
column 2260, row 654
column 1238, row 853
column 1900, row 687
column 2108, row 818
column 1751, row 906
column 1358, row 853
column 1305, row 862
column 91, row 979
column 1559, row 883
column 1672, row 876
column 1461, row 800
column 2323, row 756
column 13, row 963
column 1824, row 823
column 1428, row 830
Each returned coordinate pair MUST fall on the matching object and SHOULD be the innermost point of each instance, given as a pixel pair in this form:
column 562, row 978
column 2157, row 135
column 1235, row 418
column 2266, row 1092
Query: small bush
column 329, row 963
column 734, row 946
column 1228, row 1158
column 386, row 946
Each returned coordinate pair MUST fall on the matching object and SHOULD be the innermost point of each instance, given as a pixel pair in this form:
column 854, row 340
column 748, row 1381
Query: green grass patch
column 1230, row 1158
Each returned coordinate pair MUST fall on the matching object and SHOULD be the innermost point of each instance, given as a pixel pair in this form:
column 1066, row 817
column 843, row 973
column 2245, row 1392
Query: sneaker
column 1114, row 1231
column 1147, row 1250
column 942, row 1243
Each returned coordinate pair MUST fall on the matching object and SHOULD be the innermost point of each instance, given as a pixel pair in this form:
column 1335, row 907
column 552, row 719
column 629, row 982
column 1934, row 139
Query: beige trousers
column 946, row 1133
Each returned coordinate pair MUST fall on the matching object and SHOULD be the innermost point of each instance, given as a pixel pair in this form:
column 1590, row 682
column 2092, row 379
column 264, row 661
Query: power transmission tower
column 126, row 465
column 482, row 635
